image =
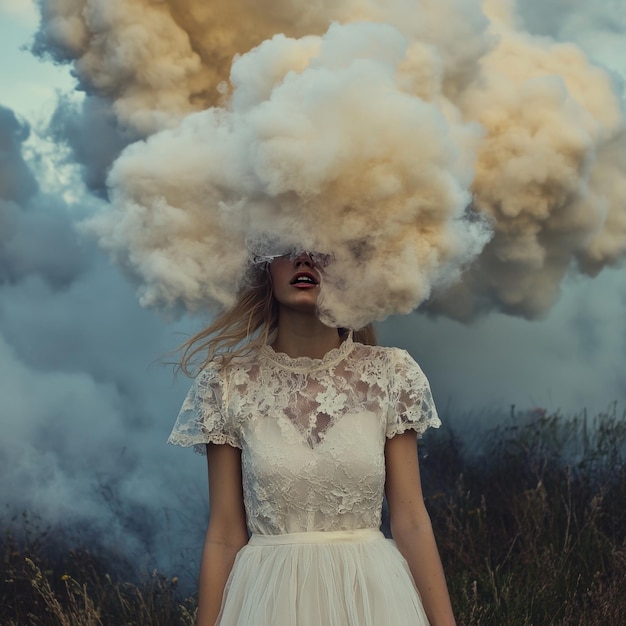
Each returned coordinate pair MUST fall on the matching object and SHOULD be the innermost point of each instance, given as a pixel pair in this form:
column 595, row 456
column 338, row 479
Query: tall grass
column 531, row 526
column 48, row 578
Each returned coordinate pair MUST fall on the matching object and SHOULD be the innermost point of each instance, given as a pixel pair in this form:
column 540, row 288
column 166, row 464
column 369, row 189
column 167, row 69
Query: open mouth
column 305, row 279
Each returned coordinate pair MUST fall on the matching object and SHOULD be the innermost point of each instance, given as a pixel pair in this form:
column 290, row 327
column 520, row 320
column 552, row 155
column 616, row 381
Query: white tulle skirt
column 345, row 578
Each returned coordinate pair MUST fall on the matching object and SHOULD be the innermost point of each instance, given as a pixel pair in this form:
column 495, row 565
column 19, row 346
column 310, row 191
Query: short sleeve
column 203, row 417
column 411, row 405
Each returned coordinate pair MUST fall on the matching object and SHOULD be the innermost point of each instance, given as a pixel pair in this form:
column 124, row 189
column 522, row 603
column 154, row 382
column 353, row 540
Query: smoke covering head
column 433, row 148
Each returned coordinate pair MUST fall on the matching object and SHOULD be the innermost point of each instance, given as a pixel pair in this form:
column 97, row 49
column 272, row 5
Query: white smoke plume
column 550, row 173
column 304, row 156
column 367, row 138
column 156, row 61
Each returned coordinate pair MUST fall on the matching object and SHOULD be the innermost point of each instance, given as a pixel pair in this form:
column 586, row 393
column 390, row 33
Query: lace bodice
column 312, row 432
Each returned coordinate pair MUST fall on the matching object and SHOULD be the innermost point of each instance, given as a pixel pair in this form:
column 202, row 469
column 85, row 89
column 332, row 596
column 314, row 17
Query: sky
column 86, row 406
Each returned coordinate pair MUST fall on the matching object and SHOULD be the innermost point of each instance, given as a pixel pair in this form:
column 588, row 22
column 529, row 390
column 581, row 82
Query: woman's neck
column 304, row 335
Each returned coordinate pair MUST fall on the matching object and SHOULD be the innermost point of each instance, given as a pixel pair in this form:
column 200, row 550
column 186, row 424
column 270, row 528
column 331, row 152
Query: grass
column 531, row 527
column 47, row 580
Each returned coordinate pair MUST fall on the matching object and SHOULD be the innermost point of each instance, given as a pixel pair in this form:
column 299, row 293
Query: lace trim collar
column 306, row 363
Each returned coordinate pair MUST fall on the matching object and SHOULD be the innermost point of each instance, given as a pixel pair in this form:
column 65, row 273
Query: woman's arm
column 226, row 533
column 411, row 527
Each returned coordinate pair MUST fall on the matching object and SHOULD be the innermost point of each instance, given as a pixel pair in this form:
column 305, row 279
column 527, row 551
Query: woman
column 305, row 426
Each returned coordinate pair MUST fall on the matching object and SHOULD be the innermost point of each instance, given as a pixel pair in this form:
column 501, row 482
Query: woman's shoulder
column 389, row 354
column 390, row 362
column 225, row 366
column 209, row 372
column 208, row 381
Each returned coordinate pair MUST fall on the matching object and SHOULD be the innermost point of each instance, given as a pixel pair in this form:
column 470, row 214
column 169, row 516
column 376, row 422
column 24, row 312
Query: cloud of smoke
column 367, row 139
column 17, row 183
column 550, row 174
column 290, row 160
column 158, row 61
column 33, row 241
column 91, row 131
column 570, row 361
column 80, row 410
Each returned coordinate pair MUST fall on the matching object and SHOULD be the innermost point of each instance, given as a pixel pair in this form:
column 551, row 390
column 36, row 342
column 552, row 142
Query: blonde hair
column 248, row 324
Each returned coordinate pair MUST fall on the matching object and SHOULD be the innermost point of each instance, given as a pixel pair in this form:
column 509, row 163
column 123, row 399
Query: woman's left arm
column 411, row 527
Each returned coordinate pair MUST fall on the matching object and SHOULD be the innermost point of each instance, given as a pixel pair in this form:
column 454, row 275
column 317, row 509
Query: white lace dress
column 312, row 434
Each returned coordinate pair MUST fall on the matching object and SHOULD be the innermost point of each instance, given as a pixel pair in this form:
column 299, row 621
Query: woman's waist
column 356, row 535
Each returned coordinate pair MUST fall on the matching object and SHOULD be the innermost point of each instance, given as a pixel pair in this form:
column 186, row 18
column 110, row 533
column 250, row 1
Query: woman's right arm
column 226, row 533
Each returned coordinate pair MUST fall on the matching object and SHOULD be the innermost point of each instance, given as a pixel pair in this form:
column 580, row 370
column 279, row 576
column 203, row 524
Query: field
column 530, row 518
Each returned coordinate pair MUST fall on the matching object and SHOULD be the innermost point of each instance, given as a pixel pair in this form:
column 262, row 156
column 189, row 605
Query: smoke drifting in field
column 79, row 405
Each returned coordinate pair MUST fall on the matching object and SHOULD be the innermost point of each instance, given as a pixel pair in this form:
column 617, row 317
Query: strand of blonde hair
column 249, row 323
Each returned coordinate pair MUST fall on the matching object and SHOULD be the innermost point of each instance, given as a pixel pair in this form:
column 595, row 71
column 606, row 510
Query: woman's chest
column 340, row 471
column 310, row 405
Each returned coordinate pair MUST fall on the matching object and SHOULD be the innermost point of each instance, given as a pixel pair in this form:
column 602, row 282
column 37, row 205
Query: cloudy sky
column 86, row 410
